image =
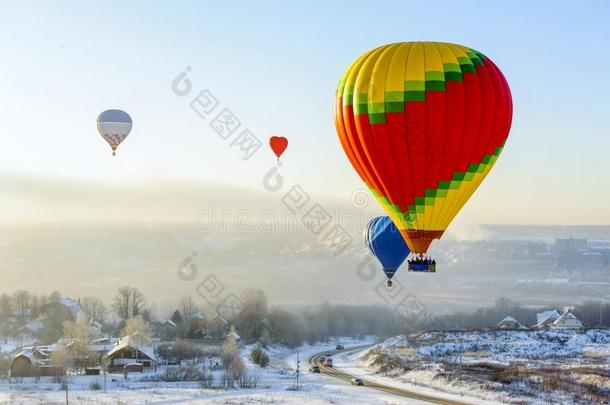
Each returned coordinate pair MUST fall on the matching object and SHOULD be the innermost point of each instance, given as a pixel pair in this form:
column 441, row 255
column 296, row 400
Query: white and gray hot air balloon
column 114, row 126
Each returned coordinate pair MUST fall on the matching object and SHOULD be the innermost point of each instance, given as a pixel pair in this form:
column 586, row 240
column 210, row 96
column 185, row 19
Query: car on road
column 356, row 381
column 322, row 358
column 328, row 362
column 339, row 347
column 314, row 369
column 328, row 354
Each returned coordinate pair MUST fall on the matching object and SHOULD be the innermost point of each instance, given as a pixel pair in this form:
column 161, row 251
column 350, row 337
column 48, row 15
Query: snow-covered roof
column 95, row 324
column 102, row 344
column 129, row 342
column 170, row 323
column 566, row 316
column 29, row 355
column 72, row 305
column 544, row 316
column 33, row 326
column 103, row 340
column 38, row 355
column 234, row 335
column 509, row 320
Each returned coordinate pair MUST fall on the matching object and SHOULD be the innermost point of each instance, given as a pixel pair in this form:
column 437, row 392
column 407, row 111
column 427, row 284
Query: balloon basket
column 422, row 266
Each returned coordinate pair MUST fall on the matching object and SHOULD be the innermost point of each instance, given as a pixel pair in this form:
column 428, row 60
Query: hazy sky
column 276, row 65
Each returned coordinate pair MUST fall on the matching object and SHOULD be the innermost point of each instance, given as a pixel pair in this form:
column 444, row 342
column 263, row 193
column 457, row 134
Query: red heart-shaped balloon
column 278, row 145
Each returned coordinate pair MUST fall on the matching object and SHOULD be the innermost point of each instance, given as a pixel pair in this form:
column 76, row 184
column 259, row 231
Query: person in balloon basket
column 421, row 260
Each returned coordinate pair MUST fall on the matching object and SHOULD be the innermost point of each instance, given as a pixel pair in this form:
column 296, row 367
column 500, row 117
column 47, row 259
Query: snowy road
column 336, row 372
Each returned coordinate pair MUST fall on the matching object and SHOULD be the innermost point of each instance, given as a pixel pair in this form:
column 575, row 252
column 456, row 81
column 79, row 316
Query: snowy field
column 473, row 367
column 330, row 393
column 275, row 386
column 505, row 366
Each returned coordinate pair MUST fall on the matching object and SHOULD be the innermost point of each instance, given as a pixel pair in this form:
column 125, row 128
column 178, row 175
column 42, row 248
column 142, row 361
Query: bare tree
column 23, row 304
column 251, row 319
column 6, row 305
column 128, row 303
column 36, row 306
column 287, row 328
column 229, row 349
column 120, row 303
column 232, row 362
column 236, row 369
column 54, row 297
column 94, row 307
column 187, row 308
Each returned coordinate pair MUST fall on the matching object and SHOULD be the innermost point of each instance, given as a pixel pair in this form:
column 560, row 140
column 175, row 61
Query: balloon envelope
column 386, row 243
column 422, row 123
column 114, row 126
column 278, row 145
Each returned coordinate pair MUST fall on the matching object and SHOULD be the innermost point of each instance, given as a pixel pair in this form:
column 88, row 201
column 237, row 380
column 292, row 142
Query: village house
column 233, row 335
column 129, row 351
column 69, row 309
column 545, row 319
column 509, row 323
column 30, row 331
column 120, row 355
column 71, row 305
column 33, row 360
column 567, row 321
column 102, row 345
column 553, row 319
column 168, row 323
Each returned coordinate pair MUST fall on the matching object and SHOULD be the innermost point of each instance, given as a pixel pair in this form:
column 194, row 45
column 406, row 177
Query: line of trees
column 256, row 322
column 21, row 307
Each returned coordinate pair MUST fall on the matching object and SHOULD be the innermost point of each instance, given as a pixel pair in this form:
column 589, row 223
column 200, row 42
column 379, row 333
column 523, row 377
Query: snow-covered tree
column 80, row 334
column 137, row 329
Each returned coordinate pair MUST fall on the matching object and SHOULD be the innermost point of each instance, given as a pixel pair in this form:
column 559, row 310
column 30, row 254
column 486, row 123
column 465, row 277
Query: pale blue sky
column 275, row 66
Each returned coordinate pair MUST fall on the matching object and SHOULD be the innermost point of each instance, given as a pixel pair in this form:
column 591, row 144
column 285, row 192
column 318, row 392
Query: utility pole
column 460, row 351
column 104, row 371
column 66, row 393
column 298, row 369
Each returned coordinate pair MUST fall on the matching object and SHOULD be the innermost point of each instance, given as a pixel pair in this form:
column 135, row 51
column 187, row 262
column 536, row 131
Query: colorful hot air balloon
column 278, row 145
column 114, row 126
column 422, row 123
column 387, row 244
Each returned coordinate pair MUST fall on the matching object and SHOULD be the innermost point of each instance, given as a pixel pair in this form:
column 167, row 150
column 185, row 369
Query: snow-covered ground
column 471, row 367
column 351, row 362
column 275, row 385
column 560, row 366
column 506, row 346
column 330, row 393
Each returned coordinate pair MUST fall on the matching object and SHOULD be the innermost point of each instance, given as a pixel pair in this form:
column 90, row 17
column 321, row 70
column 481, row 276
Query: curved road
column 337, row 373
